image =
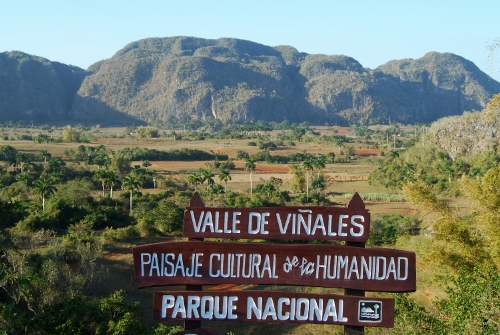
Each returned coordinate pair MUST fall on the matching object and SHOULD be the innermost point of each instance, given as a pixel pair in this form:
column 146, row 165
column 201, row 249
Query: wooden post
column 195, row 201
column 355, row 202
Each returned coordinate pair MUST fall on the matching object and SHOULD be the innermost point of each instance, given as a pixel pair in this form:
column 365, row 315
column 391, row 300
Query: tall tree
column 318, row 163
column 24, row 177
column 307, row 164
column 13, row 162
column 340, row 143
column 102, row 160
column 55, row 165
column 131, row 184
column 102, row 176
column 112, row 179
column 224, row 176
column 7, row 151
column 250, row 167
column 394, row 154
column 44, row 187
column 206, row 176
column 44, row 154
column 194, row 179
column 21, row 158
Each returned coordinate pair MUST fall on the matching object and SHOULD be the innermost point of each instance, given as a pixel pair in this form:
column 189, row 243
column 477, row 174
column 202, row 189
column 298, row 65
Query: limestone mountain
column 158, row 79
column 34, row 88
column 469, row 134
column 230, row 79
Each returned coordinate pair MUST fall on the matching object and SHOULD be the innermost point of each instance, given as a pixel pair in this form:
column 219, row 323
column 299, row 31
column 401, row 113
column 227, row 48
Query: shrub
column 120, row 234
column 386, row 229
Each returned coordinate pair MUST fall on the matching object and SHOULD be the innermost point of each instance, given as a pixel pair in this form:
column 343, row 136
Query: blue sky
column 373, row 32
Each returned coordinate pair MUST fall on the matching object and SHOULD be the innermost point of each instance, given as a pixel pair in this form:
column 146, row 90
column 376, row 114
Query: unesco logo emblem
column 370, row 311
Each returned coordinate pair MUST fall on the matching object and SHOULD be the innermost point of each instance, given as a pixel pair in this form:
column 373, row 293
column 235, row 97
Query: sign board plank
column 273, row 306
column 209, row 263
column 278, row 223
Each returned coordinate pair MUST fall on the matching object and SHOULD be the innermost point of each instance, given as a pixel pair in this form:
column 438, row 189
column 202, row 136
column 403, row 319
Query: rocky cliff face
column 234, row 80
column 469, row 134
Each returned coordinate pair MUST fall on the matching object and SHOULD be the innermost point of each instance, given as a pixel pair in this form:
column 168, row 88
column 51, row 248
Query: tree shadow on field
column 92, row 111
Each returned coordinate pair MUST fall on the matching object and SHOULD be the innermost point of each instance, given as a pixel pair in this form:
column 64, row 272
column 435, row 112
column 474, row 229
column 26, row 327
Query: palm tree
column 340, row 144
column 45, row 154
column 7, row 151
column 250, row 167
column 21, row 158
column 408, row 172
column 13, row 162
column 394, row 154
column 44, row 187
column 102, row 160
column 447, row 170
column 24, row 177
column 55, row 165
column 319, row 163
column 112, row 179
column 224, row 176
column 307, row 164
column 102, row 176
column 194, row 179
column 131, row 184
column 216, row 189
column 206, row 175
column 56, row 177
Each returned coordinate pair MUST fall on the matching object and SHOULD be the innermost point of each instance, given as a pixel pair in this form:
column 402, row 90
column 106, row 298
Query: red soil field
column 367, row 152
column 194, row 165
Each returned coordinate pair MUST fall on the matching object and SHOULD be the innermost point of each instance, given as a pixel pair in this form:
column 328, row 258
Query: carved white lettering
column 342, row 225
column 205, row 307
column 359, row 226
column 301, row 309
column 167, row 301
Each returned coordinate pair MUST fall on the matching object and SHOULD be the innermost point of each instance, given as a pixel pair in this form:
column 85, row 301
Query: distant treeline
column 265, row 156
column 184, row 154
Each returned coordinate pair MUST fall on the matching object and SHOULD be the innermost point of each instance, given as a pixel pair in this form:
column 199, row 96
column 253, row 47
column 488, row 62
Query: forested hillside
column 36, row 89
column 177, row 79
column 447, row 150
column 470, row 134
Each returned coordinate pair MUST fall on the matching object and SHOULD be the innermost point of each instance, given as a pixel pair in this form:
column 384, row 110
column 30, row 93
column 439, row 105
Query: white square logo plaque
column 370, row 311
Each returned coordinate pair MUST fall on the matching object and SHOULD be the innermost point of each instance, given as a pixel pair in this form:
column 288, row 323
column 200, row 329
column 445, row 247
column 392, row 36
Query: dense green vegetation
column 459, row 246
column 59, row 213
column 440, row 158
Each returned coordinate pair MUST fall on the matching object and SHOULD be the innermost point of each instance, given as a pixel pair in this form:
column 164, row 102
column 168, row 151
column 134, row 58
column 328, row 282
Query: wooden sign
column 273, row 306
column 278, row 223
column 201, row 263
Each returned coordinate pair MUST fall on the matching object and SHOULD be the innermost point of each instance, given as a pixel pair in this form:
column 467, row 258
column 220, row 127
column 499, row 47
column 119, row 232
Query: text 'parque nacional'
column 267, row 306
